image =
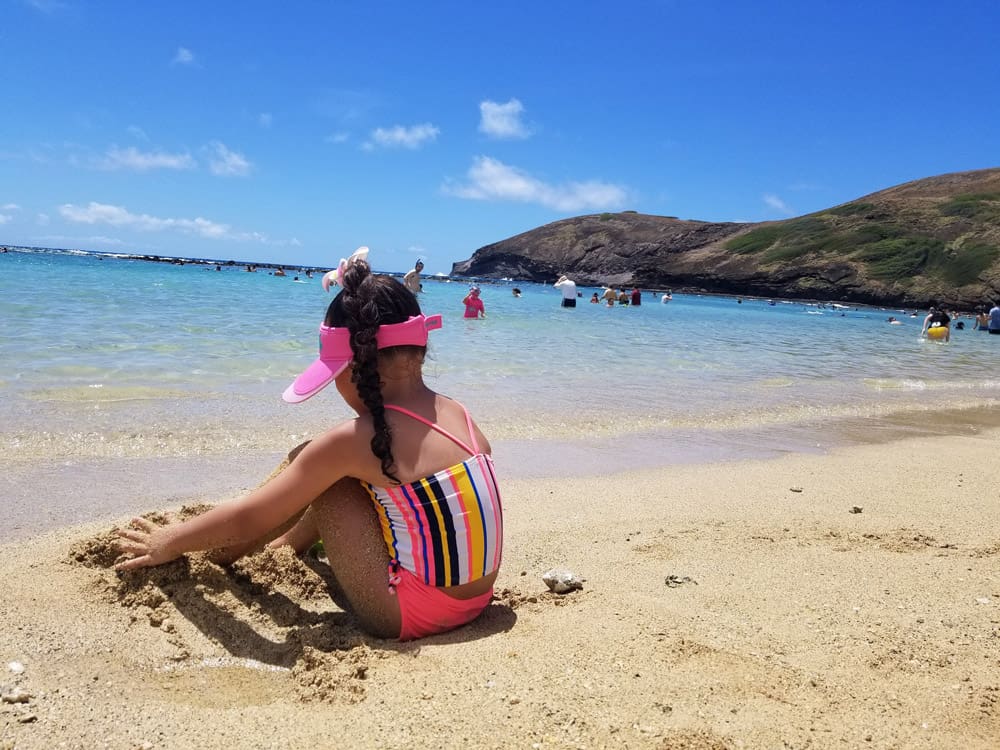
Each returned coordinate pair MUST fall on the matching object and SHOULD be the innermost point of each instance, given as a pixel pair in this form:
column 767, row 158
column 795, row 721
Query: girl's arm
column 322, row 463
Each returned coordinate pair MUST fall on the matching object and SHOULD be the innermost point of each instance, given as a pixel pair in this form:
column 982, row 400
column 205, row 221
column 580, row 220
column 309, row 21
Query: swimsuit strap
column 473, row 450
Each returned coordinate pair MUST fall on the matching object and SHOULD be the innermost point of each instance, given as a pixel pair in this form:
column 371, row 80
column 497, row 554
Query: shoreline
column 790, row 619
column 136, row 484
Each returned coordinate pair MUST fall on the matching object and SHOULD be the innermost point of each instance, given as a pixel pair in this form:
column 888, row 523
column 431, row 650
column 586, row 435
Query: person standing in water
column 474, row 307
column 412, row 278
column 937, row 319
column 994, row 321
column 568, row 288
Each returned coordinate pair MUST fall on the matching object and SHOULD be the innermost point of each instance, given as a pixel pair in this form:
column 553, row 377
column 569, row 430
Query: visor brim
column 315, row 378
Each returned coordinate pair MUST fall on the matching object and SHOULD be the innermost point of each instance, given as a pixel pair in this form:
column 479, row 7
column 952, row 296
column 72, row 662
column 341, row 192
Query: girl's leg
column 301, row 536
column 352, row 538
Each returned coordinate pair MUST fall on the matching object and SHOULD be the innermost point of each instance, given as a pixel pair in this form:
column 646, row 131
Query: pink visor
column 335, row 352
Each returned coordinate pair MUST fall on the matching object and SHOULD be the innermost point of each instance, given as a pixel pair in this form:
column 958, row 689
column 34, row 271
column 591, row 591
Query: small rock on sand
column 562, row 581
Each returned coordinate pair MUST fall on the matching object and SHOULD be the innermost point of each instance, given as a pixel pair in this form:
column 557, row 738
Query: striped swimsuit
column 446, row 529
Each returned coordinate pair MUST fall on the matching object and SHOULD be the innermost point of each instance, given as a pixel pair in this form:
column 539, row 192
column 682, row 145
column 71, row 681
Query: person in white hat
column 568, row 288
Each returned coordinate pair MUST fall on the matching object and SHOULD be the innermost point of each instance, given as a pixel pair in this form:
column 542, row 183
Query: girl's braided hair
column 367, row 302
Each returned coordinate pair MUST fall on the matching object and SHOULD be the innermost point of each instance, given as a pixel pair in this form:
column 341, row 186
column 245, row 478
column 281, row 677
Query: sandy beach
column 743, row 604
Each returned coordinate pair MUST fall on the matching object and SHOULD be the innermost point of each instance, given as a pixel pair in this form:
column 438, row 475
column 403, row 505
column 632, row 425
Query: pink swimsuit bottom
column 426, row 610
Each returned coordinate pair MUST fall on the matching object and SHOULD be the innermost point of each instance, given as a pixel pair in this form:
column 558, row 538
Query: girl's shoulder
column 348, row 445
column 348, row 437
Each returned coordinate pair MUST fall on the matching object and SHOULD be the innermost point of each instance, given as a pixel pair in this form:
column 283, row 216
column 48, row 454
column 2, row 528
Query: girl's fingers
column 133, row 548
column 144, row 524
column 137, row 541
column 142, row 561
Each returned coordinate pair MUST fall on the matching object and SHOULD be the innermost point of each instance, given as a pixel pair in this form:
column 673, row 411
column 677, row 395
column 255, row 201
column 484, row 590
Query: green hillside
column 948, row 246
column 930, row 240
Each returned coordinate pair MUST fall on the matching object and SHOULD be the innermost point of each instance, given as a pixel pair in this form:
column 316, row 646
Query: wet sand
column 40, row 493
column 736, row 604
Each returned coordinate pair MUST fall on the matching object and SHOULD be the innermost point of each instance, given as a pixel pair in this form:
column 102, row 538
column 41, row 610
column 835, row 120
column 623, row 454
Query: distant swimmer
column 609, row 296
column 666, row 298
column 595, row 300
column 636, row 297
column 893, row 321
column 517, row 292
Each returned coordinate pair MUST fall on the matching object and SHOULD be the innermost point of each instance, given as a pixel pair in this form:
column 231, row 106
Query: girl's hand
column 147, row 545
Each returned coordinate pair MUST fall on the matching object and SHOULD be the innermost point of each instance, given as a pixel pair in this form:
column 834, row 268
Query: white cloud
column 4, row 218
column 133, row 158
column 227, row 163
column 184, row 56
column 118, row 216
column 492, row 180
column 502, row 120
column 777, row 204
column 265, row 119
column 402, row 137
column 42, row 219
column 337, row 138
column 138, row 133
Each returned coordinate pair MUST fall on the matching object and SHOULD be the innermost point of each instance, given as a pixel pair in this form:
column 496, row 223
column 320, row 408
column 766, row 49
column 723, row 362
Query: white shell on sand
column 562, row 581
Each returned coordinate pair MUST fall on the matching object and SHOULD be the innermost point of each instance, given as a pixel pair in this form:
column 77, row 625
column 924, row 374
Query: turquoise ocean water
column 119, row 358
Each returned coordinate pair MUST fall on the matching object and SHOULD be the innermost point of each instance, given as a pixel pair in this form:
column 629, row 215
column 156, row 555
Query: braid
column 363, row 321
column 367, row 302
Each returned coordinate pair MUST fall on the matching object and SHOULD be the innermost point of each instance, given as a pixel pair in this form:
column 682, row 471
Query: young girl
column 474, row 307
column 404, row 496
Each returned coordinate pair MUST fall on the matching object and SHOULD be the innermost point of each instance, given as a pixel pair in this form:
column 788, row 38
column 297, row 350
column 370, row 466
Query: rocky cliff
column 931, row 240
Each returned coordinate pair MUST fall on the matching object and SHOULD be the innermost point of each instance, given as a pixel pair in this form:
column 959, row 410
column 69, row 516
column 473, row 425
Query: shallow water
column 129, row 385
column 129, row 358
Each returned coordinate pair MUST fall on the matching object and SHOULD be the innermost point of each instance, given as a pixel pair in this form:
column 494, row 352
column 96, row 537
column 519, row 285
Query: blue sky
column 295, row 132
